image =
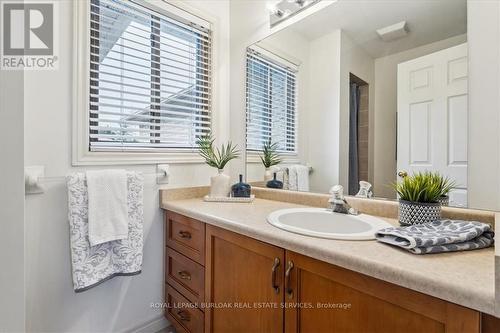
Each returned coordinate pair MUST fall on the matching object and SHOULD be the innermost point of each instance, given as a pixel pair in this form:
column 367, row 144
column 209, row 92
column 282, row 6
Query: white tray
column 228, row 199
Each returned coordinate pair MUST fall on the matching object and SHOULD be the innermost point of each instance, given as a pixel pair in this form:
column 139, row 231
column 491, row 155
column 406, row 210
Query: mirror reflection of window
column 271, row 103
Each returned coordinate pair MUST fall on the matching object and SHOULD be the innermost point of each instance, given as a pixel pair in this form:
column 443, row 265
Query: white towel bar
column 285, row 168
column 63, row 178
column 34, row 177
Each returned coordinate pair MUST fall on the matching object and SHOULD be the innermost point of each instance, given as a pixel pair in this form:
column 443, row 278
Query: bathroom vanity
column 228, row 270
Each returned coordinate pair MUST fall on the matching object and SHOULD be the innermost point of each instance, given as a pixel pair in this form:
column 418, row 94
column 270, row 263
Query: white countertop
column 465, row 278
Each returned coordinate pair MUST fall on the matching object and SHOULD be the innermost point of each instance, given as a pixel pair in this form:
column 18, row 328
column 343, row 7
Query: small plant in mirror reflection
column 269, row 155
column 423, row 187
column 216, row 157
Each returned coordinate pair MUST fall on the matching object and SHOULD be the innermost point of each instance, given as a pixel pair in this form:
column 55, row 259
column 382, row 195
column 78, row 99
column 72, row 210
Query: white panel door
column 432, row 117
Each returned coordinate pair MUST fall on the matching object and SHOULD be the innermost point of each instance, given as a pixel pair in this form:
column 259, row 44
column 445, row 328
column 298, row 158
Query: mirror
column 360, row 91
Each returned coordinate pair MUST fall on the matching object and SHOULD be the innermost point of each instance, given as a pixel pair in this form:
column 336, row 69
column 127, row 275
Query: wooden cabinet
column 489, row 324
column 184, row 272
column 185, row 275
column 333, row 299
column 246, row 285
column 186, row 236
column 183, row 318
column 244, row 280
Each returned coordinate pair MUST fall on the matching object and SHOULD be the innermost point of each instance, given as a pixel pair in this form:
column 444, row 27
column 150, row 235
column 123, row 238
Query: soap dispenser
column 241, row 189
column 274, row 183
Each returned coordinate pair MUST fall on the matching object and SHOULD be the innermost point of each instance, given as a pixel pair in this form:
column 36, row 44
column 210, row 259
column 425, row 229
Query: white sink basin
column 323, row 223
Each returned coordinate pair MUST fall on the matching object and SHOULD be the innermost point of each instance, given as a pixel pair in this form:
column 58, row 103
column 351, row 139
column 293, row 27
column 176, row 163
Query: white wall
column 122, row 303
column 12, row 296
column 484, row 86
column 385, row 104
column 324, row 111
column 356, row 61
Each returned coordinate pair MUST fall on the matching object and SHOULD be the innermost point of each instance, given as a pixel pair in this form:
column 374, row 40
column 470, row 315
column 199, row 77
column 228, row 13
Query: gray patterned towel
column 439, row 236
column 93, row 265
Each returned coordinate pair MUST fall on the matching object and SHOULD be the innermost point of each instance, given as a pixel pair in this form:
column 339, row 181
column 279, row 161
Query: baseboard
column 152, row 326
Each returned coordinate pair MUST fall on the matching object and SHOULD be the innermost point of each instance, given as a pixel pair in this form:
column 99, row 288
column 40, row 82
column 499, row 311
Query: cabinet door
column 244, row 280
column 321, row 297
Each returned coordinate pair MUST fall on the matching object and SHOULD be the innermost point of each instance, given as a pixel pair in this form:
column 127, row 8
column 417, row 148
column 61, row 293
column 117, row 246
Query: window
column 271, row 102
column 150, row 78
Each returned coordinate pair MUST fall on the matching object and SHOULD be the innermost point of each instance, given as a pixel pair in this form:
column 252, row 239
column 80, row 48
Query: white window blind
column 150, row 78
column 271, row 103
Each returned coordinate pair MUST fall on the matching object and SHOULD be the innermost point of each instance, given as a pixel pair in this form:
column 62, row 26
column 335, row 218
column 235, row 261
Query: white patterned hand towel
column 108, row 218
column 439, row 236
column 92, row 265
column 299, row 178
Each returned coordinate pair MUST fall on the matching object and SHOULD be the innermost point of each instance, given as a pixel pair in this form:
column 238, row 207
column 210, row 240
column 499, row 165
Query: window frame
column 253, row 156
column 81, row 154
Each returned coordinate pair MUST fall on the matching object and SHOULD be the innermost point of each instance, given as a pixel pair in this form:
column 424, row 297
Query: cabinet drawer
column 186, row 236
column 180, row 315
column 185, row 275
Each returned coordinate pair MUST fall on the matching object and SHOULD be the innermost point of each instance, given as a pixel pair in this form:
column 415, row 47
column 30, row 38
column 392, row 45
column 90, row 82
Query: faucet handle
column 337, row 193
column 365, row 189
column 337, row 190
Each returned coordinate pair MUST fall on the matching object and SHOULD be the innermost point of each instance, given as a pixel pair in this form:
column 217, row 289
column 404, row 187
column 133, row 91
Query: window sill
column 290, row 158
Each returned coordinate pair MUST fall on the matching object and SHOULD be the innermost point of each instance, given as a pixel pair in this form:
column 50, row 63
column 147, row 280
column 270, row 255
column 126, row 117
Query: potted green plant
column 446, row 185
column 220, row 185
column 419, row 198
column 269, row 158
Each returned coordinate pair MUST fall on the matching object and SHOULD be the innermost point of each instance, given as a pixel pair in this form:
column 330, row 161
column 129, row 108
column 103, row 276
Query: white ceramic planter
column 268, row 175
column 220, row 185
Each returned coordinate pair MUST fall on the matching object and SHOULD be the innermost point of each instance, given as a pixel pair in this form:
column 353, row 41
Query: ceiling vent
column 393, row 32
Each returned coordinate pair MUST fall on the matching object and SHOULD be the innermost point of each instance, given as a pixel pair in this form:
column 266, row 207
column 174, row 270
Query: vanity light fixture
column 281, row 10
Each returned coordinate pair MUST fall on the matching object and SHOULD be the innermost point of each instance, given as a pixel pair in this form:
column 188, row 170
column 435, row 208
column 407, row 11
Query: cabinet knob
column 183, row 315
column 185, row 234
column 274, row 285
column 184, row 275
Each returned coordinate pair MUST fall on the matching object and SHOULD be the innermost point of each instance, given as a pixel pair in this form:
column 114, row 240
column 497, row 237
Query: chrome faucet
column 338, row 203
column 365, row 189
